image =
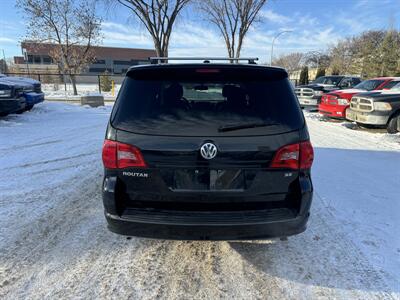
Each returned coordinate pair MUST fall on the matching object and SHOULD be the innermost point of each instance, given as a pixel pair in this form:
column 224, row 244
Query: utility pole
column 26, row 61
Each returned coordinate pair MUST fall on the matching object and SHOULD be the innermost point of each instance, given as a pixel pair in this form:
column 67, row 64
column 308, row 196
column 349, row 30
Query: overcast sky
column 315, row 25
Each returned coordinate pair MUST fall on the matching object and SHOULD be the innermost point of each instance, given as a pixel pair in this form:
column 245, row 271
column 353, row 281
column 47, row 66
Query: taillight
column 306, row 155
column 294, row 156
column 118, row 155
column 287, row 157
column 109, row 154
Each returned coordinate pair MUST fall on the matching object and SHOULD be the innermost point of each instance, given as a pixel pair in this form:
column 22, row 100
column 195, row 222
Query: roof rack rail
column 158, row 60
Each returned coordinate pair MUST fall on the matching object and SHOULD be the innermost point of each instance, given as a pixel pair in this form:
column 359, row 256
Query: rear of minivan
column 207, row 151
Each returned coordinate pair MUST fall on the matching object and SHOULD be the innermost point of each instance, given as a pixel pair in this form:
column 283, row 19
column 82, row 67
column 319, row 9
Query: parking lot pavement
column 54, row 242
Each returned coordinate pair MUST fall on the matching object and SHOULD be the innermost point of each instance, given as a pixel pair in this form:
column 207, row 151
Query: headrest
column 232, row 91
column 227, row 90
column 175, row 90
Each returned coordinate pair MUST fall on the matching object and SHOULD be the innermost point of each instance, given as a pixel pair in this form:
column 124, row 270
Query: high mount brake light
column 294, row 156
column 118, row 156
column 207, row 71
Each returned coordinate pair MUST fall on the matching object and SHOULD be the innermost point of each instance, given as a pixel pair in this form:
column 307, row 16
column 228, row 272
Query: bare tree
column 233, row 19
column 371, row 53
column 316, row 59
column 158, row 16
column 71, row 28
column 291, row 62
column 342, row 56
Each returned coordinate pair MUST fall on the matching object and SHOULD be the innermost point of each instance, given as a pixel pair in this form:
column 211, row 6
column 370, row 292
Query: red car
column 335, row 103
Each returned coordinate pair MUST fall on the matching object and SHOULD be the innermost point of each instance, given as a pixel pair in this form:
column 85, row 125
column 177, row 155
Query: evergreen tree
column 304, row 76
column 320, row 72
column 105, row 82
column 390, row 54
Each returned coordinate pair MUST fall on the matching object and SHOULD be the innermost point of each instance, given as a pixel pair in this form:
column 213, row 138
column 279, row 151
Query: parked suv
column 207, row 151
column 335, row 103
column 11, row 97
column 310, row 95
column 376, row 109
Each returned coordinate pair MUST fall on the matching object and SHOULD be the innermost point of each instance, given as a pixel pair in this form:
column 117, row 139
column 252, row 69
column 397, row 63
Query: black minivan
column 207, row 151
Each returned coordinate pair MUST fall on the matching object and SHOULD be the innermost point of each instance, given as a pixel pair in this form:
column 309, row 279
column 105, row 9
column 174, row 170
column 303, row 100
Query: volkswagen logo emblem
column 208, row 151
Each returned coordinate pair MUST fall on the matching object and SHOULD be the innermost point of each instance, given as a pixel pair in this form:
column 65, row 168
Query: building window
column 99, row 62
column 30, row 59
column 47, row 60
column 37, row 59
column 123, row 62
column 99, row 70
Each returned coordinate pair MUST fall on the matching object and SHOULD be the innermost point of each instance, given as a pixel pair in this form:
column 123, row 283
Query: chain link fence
column 59, row 86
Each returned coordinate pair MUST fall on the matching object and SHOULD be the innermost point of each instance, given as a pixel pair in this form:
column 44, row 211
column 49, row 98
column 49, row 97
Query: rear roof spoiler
column 159, row 60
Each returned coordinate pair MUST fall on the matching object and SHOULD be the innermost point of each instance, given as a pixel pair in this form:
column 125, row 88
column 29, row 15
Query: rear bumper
column 183, row 224
column 333, row 111
column 193, row 228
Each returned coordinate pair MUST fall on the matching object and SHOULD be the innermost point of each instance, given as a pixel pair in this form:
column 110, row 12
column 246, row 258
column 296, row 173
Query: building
column 36, row 58
column 295, row 75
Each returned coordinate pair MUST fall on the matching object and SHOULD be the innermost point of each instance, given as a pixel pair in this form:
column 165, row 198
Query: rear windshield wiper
column 232, row 127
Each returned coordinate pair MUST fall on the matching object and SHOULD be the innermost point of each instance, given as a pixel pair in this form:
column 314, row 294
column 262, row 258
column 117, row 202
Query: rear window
column 207, row 102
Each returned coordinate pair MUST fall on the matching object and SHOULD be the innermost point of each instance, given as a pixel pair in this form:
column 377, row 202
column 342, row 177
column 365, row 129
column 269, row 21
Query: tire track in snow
column 57, row 246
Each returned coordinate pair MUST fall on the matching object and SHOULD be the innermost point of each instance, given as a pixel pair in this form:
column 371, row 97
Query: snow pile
column 54, row 242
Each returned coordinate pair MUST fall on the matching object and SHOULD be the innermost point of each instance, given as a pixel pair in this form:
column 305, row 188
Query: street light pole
column 273, row 41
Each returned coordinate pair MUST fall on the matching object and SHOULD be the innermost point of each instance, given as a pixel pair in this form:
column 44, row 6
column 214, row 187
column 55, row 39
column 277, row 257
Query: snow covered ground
column 54, row 242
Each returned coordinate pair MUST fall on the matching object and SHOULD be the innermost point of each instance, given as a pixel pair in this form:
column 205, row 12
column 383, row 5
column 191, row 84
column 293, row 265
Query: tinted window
column 346, row 83
column 369, row 85
column 328, row 80
column 392, row 84
column 186, row 103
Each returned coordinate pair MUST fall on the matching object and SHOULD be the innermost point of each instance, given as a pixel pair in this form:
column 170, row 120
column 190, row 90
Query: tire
column 367, row 126
column 392, row 124
column 29, row 107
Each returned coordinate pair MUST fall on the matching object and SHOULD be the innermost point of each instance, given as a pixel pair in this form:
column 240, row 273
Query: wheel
column 392, row 124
